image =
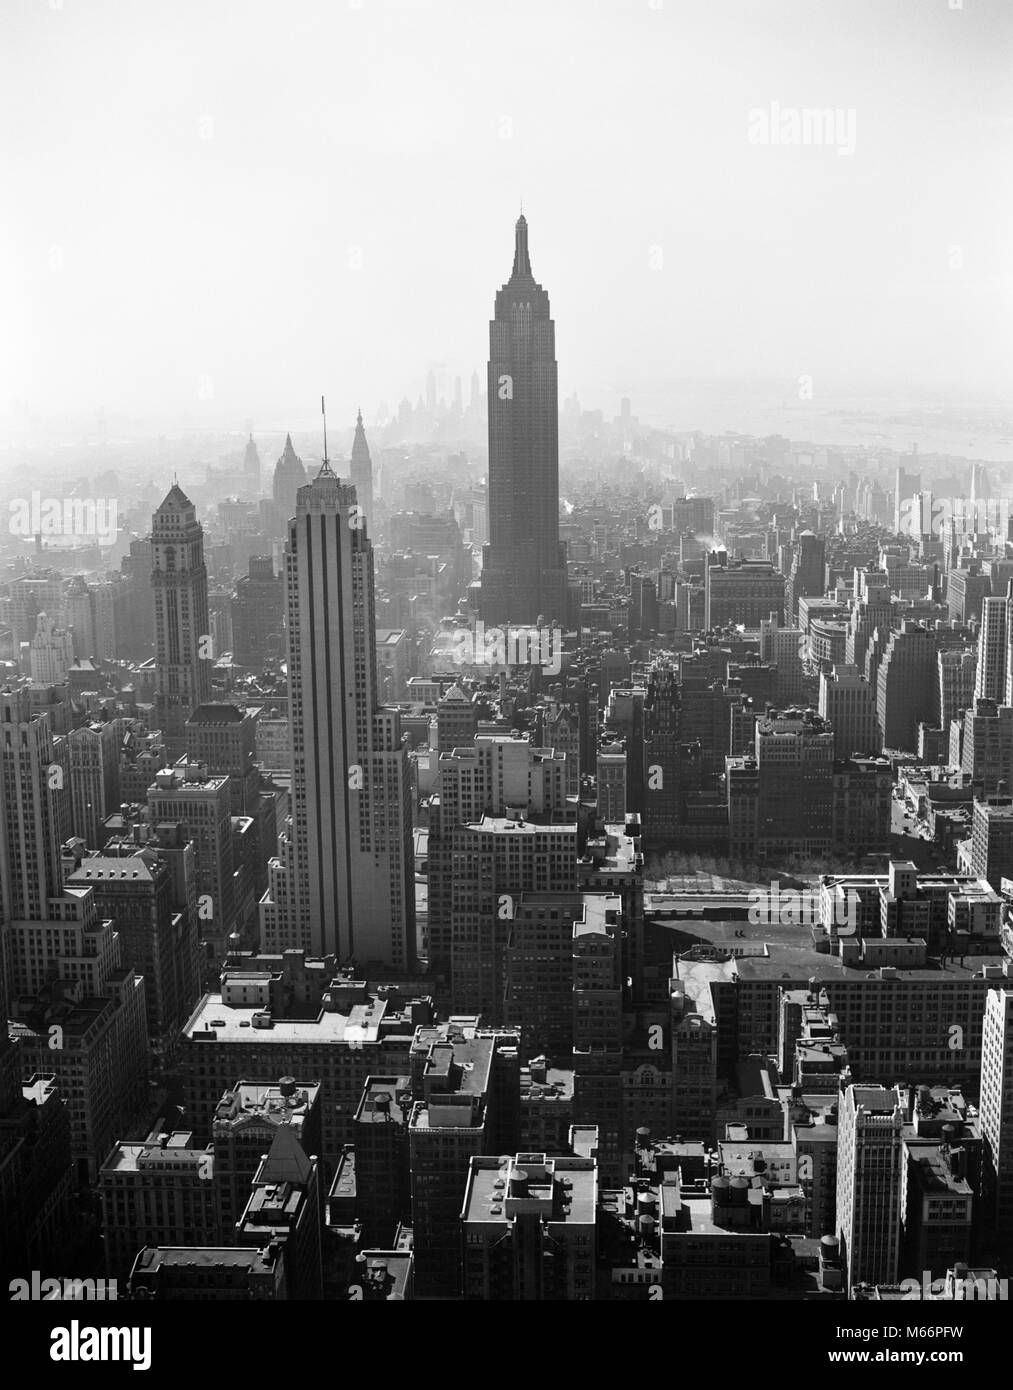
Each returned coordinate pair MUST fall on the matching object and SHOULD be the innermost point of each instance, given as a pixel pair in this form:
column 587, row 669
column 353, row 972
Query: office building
column 51, row 651
column 286, row 1208
column 870, row 1182
column 986, row 748
column 744, row 591
column 524, row 562
column 993, row 645
column 996, row 1113
column 957, row 676
column 258, row 615
column 528, row 1228
column 343, row 880
column 158, row 939
column 94, row 764
column 904, row 689
column 807, row 576
column 159, row 1192
column 848, row 704
column 468, row 1089
column 382, row 1173
column 199, row 1273
column 242, row 1132
column 992, row 840
column 184, row 650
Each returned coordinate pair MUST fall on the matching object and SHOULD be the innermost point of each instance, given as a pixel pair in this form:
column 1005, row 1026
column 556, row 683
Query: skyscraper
column 362, row 471
column 997, row 1111
column 870, row 1175
column 288, row 477
column 343, row 881
column 251, row 468
column 524, row 564
column 30, row 872
column 993, row 642
column 183, row 653
column 848, row 704
column 807, row 575
column 904, row 681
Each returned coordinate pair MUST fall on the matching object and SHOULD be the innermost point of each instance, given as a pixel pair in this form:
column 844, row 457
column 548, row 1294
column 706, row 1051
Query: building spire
column 326, row 471
column 522, row 265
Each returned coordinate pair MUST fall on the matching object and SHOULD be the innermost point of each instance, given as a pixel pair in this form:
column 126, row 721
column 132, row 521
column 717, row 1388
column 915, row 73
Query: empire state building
column 524, row 563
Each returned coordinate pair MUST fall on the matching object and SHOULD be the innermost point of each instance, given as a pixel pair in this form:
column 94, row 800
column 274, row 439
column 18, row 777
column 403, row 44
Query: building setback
column 524, row 563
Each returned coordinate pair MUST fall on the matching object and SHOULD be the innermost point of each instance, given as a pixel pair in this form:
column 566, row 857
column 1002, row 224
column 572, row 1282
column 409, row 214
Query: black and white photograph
column 506, row 675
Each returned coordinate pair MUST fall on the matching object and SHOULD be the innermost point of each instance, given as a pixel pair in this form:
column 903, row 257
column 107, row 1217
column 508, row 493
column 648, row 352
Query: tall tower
column 343, row 881
column 997, row 1112
column 993, row 647
column 251, row 468
column 362, row 471
column 524, row 564
column 183, row 654
column 870, row 1175
column 288, row 477
column 807, row 575
column 30, row 870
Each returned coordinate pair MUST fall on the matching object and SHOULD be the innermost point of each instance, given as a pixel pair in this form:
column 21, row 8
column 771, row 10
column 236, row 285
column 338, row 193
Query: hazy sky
column 189, row 189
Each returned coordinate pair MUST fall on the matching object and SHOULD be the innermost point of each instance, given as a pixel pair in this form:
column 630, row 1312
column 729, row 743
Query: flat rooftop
column 176, row 1153
column 502, row 825
column 247, row 1098
column 558, row 1085
column 214, row 1021
column 562, row 1190
column 379, row 1103
column 200, row 1257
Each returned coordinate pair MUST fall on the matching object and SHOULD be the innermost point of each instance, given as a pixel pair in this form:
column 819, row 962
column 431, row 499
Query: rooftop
column 385, row 1100
column 151, row 1258
column 213, row 1021
column 557, row 1190
column 275, row 1102
column 170, row 1153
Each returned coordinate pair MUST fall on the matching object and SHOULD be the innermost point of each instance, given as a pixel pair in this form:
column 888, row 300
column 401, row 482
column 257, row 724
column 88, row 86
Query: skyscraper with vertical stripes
column 343, row 881
column 993, row 645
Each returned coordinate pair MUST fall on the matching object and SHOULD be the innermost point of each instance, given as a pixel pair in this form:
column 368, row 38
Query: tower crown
column 522, row 262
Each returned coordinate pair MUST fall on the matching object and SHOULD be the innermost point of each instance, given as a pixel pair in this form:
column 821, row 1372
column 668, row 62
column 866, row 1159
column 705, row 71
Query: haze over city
column 506, row 673
column 213, row 214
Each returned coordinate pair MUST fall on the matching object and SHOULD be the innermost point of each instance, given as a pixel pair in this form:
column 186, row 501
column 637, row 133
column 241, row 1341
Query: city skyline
column 869, row 259
column 541, row 831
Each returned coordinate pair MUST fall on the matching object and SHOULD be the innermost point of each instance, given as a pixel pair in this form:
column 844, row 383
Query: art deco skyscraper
column 343, row 881
column 183, row 654
column 993, row 650
column 362, row 472
column 251, row 468
column 524, row 565
column 30, row 872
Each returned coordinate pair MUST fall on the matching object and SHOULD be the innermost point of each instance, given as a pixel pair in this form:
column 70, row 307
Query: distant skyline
column 213, row 216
